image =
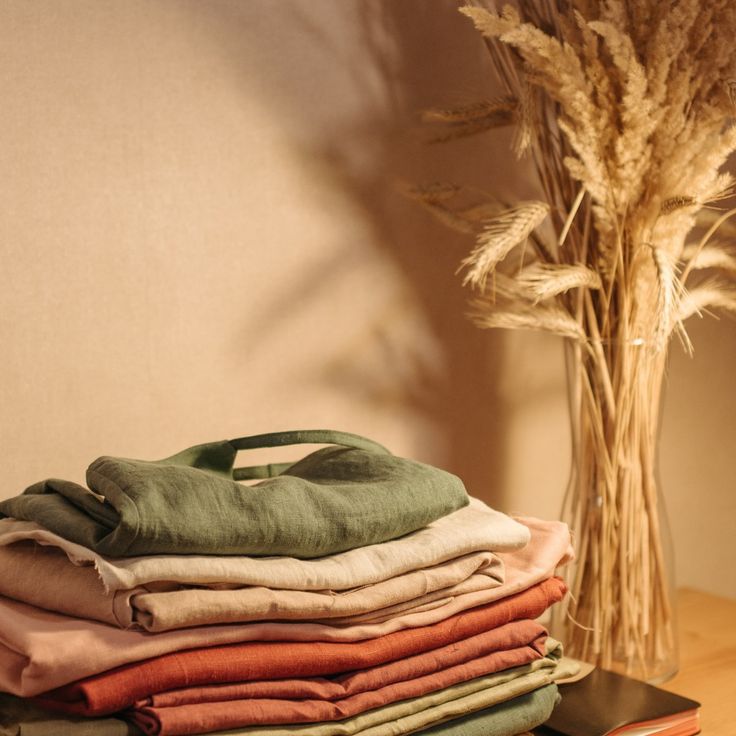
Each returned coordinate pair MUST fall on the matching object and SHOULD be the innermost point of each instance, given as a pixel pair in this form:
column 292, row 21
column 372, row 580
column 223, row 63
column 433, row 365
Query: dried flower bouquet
column 626, row 110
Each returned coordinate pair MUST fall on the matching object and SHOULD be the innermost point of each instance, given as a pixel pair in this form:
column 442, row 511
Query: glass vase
column 620, row 611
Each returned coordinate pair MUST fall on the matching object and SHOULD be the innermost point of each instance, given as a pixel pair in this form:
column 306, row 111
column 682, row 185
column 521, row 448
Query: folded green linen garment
column 506, row 719
column 350, row 494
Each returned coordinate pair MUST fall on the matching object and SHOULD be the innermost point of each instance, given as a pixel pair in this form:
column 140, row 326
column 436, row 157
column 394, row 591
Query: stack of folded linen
column 353, row 593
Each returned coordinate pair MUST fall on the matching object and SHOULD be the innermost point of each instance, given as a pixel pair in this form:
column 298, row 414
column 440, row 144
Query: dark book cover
column 603, row 702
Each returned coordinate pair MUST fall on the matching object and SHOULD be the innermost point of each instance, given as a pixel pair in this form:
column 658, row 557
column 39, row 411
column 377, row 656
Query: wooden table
column 707, row 637
column 707, row 626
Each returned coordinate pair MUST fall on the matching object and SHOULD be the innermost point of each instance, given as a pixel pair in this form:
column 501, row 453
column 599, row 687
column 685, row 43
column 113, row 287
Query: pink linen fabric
column 41, row 650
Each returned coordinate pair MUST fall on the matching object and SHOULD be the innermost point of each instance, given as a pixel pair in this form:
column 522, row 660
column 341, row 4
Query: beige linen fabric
column 44, row 577
column 41, row 650
column 475, row 528
column 402, row 594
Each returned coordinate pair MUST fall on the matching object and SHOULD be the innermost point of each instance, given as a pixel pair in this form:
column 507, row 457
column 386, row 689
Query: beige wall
column 200, row 238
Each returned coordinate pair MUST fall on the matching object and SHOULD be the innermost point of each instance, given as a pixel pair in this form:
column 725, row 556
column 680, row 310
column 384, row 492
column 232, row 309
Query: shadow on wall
column 409, row 55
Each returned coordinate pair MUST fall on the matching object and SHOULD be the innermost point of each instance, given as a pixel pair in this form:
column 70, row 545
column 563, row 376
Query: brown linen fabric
column 44, row 577
column 41, row 650
column 119, row 688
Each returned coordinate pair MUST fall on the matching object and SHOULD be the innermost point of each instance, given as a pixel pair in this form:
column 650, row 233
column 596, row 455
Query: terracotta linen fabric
column 119, row 688
column 190, row 718
column 451, row 705
column 44, row 577
column 510, row 645
column 474, row 528
column 41, row 650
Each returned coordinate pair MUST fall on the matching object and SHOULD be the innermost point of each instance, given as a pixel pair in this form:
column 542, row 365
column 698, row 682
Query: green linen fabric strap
column 296, row 437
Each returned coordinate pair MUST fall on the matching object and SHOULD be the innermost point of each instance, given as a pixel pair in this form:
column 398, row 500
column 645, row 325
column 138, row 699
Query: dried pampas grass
column 627, row 112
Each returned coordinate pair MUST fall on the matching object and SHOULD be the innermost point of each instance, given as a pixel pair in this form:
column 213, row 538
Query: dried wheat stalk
column 626, row 109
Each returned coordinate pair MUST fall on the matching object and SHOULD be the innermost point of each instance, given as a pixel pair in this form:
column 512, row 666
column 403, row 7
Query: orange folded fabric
column 505, row 643
column 121, row 687
column 511, row 645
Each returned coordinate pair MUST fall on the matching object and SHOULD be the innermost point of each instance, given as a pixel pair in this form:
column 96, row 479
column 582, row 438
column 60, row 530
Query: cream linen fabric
column 443, row 705
column 41, row 650
column 44, row 577
column 475, row 528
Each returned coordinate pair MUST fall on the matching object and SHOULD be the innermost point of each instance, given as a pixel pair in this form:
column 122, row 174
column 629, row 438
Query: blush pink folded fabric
column 512, row 645
column 120, row 688
column 41, row 650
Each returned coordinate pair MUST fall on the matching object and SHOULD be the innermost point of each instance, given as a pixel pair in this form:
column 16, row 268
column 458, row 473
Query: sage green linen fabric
column 506, row 719
column 474, row 528
column 428, row 711
column 335, row 499
column 19, row 717
column 509, row 718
